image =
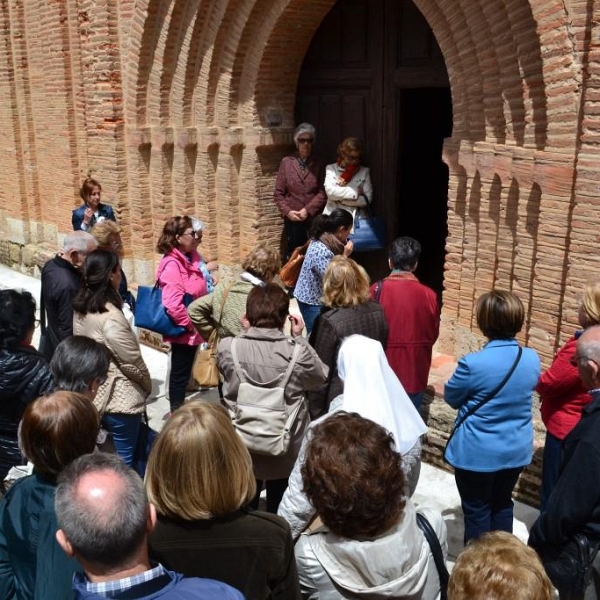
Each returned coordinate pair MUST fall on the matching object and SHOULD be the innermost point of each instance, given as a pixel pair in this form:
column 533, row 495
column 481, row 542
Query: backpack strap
column 243, row 374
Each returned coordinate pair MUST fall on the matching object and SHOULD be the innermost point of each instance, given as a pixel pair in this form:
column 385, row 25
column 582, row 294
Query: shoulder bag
column 484, row 400
column 205, row 372
column 436, row 551
column 369, row 232
column 570, row 566
column 261, row 416
column 290, row 272
column 145, row 441
column 150, row 312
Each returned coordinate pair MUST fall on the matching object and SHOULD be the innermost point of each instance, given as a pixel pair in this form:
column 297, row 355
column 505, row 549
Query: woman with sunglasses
column 347, row 183
column 181, row 271
column 299, row 193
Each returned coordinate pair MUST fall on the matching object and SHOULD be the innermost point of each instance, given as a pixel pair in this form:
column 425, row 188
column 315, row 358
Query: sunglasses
column 305, row 140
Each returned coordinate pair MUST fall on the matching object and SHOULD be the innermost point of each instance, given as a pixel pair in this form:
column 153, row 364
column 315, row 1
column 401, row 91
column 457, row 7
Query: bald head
column 588, row 357
column 102, row 511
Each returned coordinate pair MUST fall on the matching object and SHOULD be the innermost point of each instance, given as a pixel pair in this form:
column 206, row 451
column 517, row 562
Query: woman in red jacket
column 563, row 394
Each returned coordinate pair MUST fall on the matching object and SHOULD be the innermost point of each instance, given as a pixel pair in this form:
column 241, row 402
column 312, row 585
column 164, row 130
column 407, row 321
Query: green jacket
column 205, row 312
column 32, row 564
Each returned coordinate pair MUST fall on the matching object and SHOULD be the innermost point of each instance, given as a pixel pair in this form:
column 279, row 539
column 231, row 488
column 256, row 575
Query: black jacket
column 331, row 327
column 574, row 505
column 24, row 375
column 60, row 282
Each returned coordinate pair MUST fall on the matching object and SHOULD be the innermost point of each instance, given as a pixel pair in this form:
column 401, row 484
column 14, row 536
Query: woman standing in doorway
column 299, row 193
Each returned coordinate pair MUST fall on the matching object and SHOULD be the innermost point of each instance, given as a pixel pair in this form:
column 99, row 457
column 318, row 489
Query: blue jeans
column 309, row 313
column 550, row 468
column 124, row 430
column 416, row 399
column 486, row 500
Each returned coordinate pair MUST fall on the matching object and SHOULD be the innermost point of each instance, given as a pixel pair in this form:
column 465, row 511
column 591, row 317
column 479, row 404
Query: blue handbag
column 369, row 232
column 151, row 314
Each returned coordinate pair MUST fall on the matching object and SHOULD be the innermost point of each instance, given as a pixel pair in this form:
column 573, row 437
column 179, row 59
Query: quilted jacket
column 128, row 383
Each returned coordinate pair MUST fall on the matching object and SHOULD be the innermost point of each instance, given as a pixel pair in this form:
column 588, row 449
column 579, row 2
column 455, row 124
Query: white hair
column 79, row 241
column 304, row 128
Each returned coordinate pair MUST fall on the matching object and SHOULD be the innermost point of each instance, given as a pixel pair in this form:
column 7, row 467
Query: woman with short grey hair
column 299, row 193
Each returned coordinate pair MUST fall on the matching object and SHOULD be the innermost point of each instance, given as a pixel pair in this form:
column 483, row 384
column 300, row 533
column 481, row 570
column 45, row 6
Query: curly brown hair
column 174, row 227
column 353, row 476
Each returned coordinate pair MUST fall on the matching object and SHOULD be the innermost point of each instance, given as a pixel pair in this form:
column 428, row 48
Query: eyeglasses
column 194, row 234
column 305, row 140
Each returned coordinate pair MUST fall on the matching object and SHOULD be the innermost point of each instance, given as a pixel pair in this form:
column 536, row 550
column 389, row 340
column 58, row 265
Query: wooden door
column 375, row 71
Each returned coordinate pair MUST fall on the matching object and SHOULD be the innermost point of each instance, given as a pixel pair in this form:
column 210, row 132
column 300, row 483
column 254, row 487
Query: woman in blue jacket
column 493, row 444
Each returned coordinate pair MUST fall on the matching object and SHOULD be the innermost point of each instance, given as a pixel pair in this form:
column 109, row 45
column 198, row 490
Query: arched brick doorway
column 374, row 70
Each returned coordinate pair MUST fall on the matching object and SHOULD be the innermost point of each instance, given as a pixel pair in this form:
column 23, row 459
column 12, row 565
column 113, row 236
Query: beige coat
column 128, row 383
column 266, row 354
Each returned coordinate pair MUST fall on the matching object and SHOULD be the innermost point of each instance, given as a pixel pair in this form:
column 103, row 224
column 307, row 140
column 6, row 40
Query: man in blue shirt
column 104, row 519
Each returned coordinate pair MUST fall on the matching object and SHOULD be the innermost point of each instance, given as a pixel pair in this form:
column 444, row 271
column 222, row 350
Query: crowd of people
column 321, row 410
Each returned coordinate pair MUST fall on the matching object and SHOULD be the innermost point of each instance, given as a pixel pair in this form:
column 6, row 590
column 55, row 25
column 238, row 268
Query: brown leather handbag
column 291, row 270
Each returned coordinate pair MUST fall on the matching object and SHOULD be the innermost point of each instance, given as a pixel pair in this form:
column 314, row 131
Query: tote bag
column 151, row 314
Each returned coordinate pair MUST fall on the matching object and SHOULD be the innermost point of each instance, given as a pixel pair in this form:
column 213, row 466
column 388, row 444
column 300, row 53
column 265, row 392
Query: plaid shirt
column 109, row 588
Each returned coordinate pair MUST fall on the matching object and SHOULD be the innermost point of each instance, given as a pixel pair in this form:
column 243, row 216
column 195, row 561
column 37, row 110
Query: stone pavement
column 436, row 487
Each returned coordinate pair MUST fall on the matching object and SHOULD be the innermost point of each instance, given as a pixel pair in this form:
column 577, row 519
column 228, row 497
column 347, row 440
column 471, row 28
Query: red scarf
column 349, row 171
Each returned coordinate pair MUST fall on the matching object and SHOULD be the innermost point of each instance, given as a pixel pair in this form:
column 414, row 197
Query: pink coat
column 179, row 274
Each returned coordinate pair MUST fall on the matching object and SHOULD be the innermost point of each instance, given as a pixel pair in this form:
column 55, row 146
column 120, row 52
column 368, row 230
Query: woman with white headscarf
column 372, row 390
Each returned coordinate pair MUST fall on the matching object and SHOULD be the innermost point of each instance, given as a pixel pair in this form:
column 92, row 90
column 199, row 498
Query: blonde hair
column 347, row 145
column 199, row 467
column 590, row 305
column 262, row 262
column 345, row 283
column 103, row 230
column 498, row 566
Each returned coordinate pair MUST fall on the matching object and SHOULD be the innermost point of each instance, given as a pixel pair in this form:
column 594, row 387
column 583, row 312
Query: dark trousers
column 486, row 500
column 295, row 235
column 550, row 468
column 275, row 490
column 182, row 361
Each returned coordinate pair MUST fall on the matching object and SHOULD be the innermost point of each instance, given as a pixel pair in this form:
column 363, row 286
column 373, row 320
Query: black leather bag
column 570, row 567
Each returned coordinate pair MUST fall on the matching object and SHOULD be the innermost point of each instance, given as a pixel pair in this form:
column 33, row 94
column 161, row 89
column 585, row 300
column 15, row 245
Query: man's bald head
column 102, row 510
column 588, row 357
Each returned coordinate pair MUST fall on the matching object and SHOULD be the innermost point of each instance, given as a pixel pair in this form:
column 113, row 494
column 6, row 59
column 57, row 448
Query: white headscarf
column 372, row 390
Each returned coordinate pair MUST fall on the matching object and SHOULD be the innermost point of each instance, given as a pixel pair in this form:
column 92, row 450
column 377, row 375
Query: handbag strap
column 487, row 398
column 436, row 550
column 243, row 374
column 223, row 304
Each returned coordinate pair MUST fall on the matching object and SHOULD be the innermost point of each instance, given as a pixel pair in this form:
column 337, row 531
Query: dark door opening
column 374, row 70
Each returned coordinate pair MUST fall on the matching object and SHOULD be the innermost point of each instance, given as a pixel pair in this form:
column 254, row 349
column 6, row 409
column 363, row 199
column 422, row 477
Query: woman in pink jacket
column 180, row 273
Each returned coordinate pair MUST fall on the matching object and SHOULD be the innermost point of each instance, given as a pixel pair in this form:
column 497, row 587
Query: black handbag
column 436, row 551
column 369, row 232
column 570, row 567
